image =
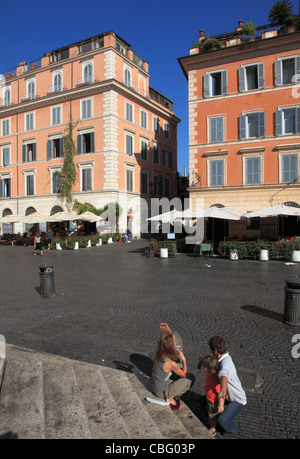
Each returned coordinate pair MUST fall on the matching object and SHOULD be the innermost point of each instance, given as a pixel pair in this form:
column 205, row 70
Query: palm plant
column 280, row 14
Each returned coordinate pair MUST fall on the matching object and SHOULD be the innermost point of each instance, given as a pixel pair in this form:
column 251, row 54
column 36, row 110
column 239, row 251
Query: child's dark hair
column 217, row 343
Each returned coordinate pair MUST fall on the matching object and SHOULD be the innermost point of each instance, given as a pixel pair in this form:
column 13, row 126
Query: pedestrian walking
column 128, row 235
column 50, row 236
column 38, row 244
column 231, row 387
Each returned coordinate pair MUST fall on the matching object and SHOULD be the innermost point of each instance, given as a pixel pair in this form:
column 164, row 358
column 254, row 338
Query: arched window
column 31, row 90
column 88, row 74
column 57, row 86
column 7, row 100
column 127, row 77
column 30, row 210
column 6, row 212
column 56, row 209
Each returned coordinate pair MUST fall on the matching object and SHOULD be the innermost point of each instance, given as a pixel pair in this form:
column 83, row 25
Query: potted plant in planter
column 236, row 250
column 210, row 44
column 295, row 257
column 231, row 250
column 163, row 250
column 259, row 250
column 250, row 29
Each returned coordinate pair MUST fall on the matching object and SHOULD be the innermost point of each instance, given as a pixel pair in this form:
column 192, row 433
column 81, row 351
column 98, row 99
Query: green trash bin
column 292, row 301
column 47, row 287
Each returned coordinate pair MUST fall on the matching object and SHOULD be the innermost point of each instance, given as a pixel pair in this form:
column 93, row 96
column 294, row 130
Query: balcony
column 56, row 89
column 26, row 97
column 85, row 81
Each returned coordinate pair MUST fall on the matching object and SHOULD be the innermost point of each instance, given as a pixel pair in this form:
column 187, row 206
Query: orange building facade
column 125, row 132
column 244, row 123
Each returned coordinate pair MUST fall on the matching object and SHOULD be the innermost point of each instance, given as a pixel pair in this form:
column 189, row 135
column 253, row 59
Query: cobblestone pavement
column 110, row 301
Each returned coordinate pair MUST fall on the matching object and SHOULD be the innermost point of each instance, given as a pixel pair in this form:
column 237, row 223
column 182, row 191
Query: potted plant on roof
column 250, row 29
column 281, row 15
column 211, row 44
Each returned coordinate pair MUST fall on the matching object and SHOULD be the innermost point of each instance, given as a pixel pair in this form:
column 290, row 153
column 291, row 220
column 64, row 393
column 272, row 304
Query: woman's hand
column 181, row 355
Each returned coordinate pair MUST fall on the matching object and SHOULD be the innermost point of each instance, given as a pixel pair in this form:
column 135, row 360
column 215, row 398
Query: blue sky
column 160, row 31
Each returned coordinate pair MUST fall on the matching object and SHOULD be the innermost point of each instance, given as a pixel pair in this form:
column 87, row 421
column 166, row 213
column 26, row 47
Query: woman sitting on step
column 168, row 360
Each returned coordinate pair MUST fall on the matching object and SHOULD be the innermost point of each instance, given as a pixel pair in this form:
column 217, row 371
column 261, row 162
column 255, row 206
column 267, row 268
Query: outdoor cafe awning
column 277, row 210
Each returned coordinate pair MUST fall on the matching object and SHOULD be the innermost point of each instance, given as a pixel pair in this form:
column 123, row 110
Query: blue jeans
column 227, row 418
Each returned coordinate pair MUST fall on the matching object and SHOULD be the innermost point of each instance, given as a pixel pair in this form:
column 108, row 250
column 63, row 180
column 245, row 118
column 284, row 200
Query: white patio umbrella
column 10, row 219
column 90, row 217
column 224, row 213
column 63, row 216
column 35, row 217
column 277, row 210
column 172, row 215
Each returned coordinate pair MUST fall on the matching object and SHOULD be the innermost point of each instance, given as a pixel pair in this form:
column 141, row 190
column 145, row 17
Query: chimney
column 240, row 23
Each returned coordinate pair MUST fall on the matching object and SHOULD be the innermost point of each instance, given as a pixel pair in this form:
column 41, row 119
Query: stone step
column 51, row 397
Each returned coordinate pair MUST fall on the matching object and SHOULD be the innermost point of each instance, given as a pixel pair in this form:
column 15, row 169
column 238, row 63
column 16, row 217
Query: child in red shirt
column 212, row 391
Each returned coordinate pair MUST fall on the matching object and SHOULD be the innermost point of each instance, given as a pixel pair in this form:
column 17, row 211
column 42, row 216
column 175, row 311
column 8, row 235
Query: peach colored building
column 244, row 124
column 125, row 131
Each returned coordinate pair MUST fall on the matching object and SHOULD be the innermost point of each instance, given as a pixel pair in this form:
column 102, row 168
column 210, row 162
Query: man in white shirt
column 231, row 387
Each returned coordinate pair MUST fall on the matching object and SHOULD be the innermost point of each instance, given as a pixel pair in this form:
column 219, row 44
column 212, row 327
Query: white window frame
column 131, row 111
column 278, row 73
column 26, row 173
column 280, row 158
column 253, row 156
column 84, row 66
column 260, row 129
column 56, row 107
column 208, row 83
column 130, row 169
column 6, row 176
column 280, row 112
column 81, row 108
column 166, row 130
column 145, row 115
column 127, row 82
column 26, row 123
column 146, row 142
column 83, row 165
column 5, row 127
column 209, row 120
column 129, row 134
column 243, row 76
column 214, row 159
column 53, row 169
column 28, row 94
column 156, row 125
column 5, row 147
column 56, row 74
column 7, row 90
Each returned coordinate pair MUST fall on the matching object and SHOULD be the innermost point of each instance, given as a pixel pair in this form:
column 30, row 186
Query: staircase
column 51, row 397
